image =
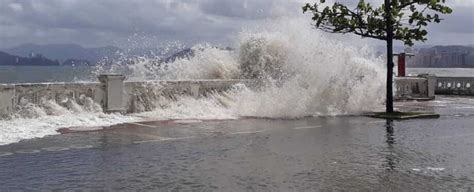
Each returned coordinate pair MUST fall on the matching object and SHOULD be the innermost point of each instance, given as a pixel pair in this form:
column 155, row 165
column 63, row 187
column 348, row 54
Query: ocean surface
column 443, row 72
column 34, row 74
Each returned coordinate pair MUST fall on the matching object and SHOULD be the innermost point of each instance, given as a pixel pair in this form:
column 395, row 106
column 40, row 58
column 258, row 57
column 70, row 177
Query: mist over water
column 305, row 73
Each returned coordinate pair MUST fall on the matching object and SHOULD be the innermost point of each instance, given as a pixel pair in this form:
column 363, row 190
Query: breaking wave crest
column 307, row 73
column 304, row 73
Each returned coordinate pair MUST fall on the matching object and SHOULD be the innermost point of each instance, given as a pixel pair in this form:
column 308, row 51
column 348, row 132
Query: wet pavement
column 310, row 154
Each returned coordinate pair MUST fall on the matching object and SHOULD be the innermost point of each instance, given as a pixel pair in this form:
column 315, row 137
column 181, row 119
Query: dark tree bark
column 389, row 99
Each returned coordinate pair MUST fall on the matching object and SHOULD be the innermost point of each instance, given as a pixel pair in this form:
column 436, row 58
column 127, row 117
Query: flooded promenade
column 306, row 154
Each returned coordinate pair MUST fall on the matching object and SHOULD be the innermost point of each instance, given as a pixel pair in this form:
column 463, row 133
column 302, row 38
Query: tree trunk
column 389, row 99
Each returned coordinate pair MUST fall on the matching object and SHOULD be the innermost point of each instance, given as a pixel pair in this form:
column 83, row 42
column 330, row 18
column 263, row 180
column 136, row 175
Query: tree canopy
column 409, row 18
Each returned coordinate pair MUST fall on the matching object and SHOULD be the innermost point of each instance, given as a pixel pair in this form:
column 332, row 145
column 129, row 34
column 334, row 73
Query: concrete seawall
column 426, row 86
column 14, row 96
column 110, row 94
column 418, row 88
column 140, row 96
column 455, row 86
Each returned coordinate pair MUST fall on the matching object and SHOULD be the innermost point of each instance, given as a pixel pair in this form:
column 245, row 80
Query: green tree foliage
column 403, row 20
column 409, row 18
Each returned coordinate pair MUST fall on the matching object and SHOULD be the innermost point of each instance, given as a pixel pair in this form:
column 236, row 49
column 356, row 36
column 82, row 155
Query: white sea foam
column 26, row 128
column 306, row 73
column 187, row 107
column 38, row 120
column 207, row 63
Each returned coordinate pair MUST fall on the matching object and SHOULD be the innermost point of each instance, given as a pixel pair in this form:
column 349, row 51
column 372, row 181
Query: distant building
column 444, row 56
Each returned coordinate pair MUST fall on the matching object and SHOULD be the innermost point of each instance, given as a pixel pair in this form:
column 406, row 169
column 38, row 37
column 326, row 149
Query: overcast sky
column 107, row 22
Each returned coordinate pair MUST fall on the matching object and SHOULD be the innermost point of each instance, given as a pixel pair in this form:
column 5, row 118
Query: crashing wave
column 304, row 73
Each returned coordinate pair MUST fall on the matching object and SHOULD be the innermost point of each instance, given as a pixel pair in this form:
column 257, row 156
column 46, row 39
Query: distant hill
column 75, row 55
column 63, row 52
column 444, row 57
column 37, row 60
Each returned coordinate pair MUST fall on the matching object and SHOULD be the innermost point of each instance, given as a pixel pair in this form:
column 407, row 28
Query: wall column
column 7, row 100
column 431, row 85
column 113, row 89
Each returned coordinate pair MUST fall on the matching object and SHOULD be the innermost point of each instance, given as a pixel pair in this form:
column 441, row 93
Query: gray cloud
column 461, row 21
column 243, row 9
column 104, row 22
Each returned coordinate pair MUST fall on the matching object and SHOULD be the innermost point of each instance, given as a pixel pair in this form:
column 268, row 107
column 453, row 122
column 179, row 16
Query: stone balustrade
column 455, row 86
column 111, row 93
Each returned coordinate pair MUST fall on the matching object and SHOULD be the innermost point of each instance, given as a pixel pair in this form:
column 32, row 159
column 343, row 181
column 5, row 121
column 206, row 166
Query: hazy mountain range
column 63, row 52
column 7, row 59
column 72, row 54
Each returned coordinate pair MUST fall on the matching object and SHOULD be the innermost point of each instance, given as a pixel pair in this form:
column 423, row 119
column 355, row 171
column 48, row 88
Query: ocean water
column 34, row 74
column 307, row 73
column 443, row 72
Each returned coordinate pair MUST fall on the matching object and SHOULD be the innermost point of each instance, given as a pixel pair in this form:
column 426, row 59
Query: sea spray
column 207, row 62
column 321, row 76
column 202, row 61
column 305, row 72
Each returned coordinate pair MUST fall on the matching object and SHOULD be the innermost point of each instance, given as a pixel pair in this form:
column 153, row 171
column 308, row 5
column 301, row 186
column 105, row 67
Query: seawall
column 416, row 88
column 455, row 86
column 427, row 86
column 111, row 93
